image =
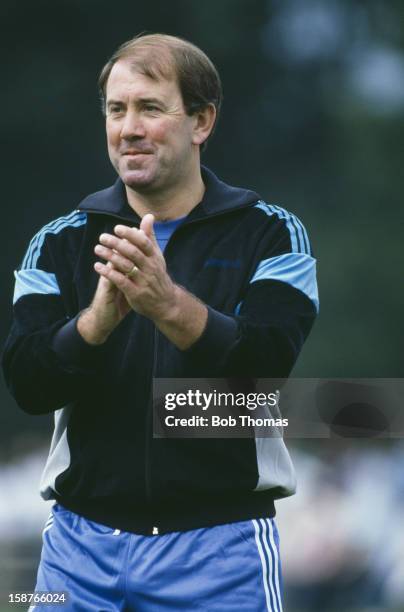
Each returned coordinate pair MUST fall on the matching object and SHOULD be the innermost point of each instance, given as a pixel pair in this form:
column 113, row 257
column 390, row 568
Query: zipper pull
column 155, row 531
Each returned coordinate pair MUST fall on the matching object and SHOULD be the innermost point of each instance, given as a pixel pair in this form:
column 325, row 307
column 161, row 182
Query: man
column 141, row 523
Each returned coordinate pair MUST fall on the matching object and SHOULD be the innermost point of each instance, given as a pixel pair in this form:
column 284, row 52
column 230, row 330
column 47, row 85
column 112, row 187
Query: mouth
column 134, row 153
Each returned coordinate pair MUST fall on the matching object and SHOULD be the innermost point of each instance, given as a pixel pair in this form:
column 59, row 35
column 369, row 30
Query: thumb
column 147, row 225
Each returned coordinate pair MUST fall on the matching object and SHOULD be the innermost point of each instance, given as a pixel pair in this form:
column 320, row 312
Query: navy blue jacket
column 251, row 264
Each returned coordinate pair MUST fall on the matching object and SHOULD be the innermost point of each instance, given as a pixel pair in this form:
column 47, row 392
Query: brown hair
column 163, row 56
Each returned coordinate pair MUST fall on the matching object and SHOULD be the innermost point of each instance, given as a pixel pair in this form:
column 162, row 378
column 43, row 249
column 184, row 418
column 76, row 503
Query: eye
column 151, row 108
column 114, row 109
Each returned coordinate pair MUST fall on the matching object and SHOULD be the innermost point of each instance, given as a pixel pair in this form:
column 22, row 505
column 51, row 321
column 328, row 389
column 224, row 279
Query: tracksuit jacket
column 251, row 264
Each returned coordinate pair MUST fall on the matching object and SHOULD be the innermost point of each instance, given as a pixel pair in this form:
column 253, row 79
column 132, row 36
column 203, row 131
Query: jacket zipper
column 149, row 422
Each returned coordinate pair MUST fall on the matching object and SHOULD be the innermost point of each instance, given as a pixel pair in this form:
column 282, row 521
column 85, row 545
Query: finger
column 136, row 237
column 124, row 247
column 147, row 225
column 116, row 277
column 119, row 262
column 104, row 283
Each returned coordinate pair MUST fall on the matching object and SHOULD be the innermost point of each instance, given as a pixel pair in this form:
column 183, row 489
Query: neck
column 176, row 201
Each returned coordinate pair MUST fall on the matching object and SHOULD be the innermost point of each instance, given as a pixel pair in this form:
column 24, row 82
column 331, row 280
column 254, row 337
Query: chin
column 137, row 180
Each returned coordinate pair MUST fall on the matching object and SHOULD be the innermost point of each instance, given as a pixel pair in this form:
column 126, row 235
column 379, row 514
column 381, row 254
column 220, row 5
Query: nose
column 132, row 126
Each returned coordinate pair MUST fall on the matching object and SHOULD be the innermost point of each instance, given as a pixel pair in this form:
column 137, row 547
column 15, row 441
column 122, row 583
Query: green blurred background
column 313, row 119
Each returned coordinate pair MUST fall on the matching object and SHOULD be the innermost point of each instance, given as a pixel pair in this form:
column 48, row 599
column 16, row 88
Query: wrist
column 171, row 311
column 89, row 327
column 184, row 320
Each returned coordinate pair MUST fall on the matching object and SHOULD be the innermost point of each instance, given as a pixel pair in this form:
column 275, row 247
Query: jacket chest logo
column 215, row 262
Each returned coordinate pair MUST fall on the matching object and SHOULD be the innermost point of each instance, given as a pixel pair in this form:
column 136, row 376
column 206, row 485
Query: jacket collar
column 219, row 198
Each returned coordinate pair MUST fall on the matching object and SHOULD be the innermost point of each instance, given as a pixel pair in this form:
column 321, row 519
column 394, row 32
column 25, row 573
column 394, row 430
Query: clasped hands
column 136, row 266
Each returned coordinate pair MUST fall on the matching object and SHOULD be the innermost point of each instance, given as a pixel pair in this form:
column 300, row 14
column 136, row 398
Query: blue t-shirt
column 164, row 229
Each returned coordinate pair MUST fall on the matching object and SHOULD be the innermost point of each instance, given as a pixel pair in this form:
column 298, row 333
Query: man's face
column 150, row 136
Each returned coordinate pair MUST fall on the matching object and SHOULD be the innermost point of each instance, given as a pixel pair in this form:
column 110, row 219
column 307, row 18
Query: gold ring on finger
column 132, row 272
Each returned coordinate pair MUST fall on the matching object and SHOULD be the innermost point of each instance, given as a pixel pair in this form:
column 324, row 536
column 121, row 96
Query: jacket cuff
column 70, row 346
column 219, row 336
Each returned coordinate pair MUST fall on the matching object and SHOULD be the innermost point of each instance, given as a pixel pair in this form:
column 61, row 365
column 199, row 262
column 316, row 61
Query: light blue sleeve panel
column 33, row 280
column 296, row 269
column 75, row 219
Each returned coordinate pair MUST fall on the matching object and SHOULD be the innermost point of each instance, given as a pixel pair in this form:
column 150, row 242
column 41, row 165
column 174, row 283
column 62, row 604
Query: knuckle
column 134, row 253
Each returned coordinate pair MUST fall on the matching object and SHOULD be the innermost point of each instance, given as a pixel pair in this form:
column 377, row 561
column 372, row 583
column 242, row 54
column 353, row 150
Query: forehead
column 126, row 82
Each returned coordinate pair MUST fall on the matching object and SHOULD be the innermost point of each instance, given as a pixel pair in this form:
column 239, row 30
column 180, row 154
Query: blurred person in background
column 197, row 278
column 343, row 561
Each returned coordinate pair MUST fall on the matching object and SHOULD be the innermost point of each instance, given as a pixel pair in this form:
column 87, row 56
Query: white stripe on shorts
column 277, row 562
column 270, row 574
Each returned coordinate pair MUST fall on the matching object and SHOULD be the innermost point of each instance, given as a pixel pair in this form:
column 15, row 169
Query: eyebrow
column 138, row 101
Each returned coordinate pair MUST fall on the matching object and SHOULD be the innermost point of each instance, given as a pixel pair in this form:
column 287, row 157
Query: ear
column 204, row 122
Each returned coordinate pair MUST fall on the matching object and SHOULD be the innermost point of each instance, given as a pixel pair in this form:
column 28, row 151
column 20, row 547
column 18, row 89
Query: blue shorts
column 216, row 569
